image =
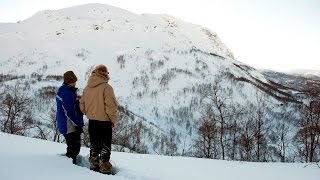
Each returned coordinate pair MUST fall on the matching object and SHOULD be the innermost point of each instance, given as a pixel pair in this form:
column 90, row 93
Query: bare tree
column 15, row 110
column 234, row 130
column 261, row 126
column 206, row 143
column 219, row 99
column 253, row 139
column 52, row 118
column 130, row 132
column 48, row 127
column 308, row 136
column 42, row 132
column 246, row 139
column 172, row 148
column 282, row 128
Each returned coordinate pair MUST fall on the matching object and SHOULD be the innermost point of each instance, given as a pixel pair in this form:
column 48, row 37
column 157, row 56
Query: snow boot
column 105, row 167
column 74, row 158
column 94, row 163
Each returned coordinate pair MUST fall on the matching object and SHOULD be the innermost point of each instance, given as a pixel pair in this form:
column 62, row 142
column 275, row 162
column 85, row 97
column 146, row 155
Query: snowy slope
column 158, row 64
column 27, row 158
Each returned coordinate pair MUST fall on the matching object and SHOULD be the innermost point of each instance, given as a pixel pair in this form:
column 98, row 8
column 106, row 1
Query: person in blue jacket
column 69, row 115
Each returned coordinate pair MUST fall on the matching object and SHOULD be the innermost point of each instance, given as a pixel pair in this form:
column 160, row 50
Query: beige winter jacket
column 98, row 101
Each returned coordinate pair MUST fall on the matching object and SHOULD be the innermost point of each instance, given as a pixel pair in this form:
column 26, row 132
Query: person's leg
column 95, row 145
column 73, row 141
column 68, row 142
column 104, row 164
column 106, row 138
column 94, row 135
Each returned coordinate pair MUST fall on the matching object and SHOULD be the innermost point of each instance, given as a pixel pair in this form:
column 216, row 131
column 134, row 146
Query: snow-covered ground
column 23, row 158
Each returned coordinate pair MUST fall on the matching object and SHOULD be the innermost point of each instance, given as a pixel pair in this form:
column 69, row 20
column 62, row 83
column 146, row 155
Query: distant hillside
column 171, row 79
column 292, row 81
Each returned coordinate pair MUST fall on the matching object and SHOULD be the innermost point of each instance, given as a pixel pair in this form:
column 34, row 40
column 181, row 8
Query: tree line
column 256, row 131
column 287, row 132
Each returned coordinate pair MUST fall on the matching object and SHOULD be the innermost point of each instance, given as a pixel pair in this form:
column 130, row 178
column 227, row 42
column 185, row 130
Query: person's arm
column 111, row 107
column 82, row 103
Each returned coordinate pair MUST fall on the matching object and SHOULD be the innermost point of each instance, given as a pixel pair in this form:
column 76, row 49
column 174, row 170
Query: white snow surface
column 27, row 158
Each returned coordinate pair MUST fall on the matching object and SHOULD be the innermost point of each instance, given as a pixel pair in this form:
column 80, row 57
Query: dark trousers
column 100, row 133
column 73, row 144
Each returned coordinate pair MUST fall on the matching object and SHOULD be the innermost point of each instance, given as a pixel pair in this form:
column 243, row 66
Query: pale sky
column 269, row 34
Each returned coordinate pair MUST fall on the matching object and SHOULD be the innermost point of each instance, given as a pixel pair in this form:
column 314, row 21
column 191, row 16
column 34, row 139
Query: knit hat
column 69, row 77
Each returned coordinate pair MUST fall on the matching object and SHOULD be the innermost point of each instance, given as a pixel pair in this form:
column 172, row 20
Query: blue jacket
column 69, row 116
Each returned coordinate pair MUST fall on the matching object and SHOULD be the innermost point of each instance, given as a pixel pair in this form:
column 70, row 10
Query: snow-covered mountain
column 27, row 158
column 305, row 72
column 161, row 68
column 291, row 80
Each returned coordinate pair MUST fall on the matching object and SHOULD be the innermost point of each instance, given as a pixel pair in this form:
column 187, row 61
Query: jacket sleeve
column 111, row 107
column 82, row 103
column 79, row 114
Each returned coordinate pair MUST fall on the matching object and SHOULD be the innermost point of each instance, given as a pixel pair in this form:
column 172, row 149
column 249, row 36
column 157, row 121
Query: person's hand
column 114, row 125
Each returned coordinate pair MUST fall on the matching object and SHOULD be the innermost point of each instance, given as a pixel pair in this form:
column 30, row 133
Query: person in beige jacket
column 99, row 104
